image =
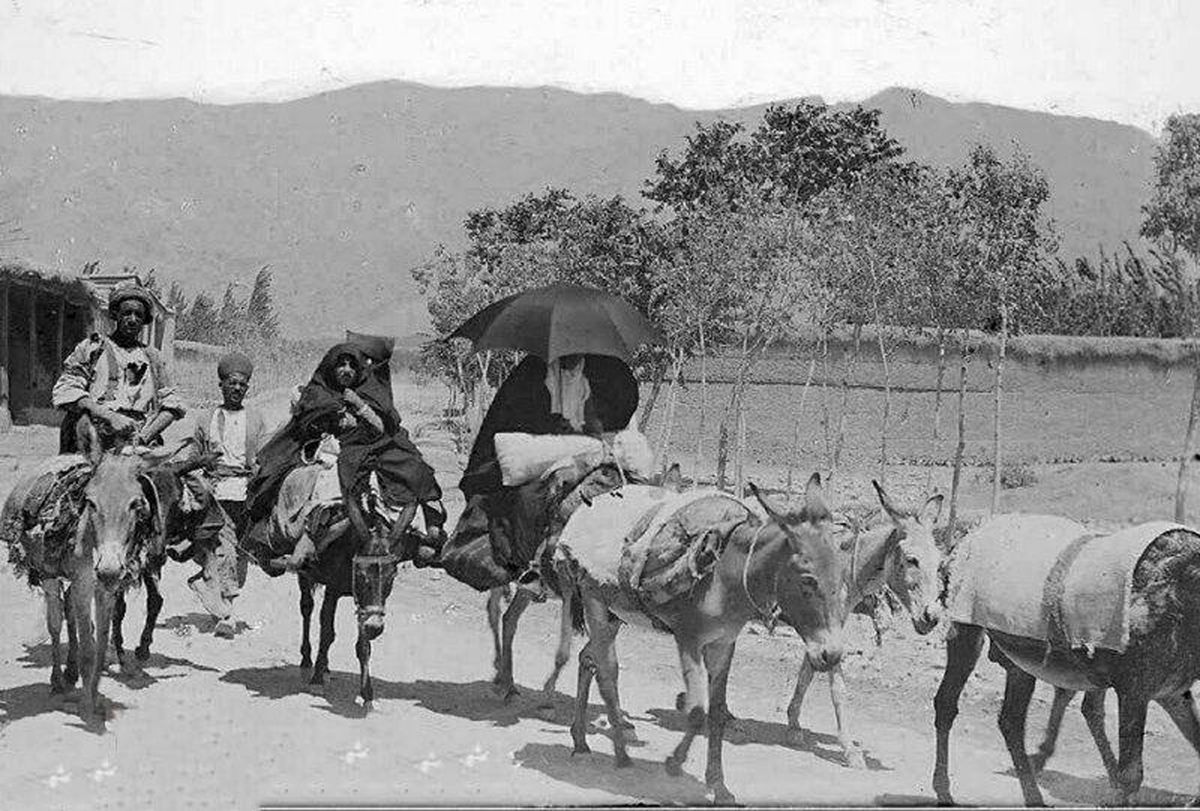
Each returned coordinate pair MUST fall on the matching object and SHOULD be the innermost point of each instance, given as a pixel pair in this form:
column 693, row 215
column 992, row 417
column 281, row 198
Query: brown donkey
column 744, row 583
column 1159, row 662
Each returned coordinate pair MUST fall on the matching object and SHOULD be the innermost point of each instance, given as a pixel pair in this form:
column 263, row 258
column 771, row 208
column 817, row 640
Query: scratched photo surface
column 453, row 403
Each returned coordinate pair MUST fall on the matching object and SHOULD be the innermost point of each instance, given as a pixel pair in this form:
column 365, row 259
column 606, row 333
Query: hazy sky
column 1127, row 60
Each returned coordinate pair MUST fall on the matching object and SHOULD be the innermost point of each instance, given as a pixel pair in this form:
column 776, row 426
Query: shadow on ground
column 32, row 700
column 741, row 731
column 472, row 701
column 645, row 781
column 1095, row 790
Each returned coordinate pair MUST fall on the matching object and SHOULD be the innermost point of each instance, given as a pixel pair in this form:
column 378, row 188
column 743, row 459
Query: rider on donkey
column 125, row 388
column 349, row 396
column 574, row 394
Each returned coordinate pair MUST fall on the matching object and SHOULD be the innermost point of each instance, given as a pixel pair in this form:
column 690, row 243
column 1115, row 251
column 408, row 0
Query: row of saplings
column 742, row 560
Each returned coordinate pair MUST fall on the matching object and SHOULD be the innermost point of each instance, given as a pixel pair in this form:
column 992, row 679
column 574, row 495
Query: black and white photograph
column 517, row 403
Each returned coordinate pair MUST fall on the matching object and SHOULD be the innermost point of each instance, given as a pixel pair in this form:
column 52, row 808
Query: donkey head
column 811, row 586
column 914, row 561
column 124, row 509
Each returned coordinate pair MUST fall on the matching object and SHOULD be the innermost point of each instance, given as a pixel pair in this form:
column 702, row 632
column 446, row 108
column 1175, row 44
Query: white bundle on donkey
column 527, row 457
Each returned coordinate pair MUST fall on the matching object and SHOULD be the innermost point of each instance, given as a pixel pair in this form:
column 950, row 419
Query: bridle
column 768, row 618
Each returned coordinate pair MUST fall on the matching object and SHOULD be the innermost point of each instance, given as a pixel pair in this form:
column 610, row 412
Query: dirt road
column 232, row 723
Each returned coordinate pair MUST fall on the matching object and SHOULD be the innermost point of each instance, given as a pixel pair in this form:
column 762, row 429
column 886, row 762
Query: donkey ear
column 894, row 512
column 773, row 511
column 814, row 496
column 931, row 511
column 87, row 439
column 673, row 478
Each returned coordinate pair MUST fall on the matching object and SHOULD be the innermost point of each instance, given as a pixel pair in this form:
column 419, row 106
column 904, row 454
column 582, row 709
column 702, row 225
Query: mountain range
column 343, row 193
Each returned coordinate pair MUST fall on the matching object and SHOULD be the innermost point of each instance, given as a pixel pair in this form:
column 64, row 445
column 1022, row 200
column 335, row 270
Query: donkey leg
column 71, row 670
column 118, row 622
column 1131, row 709
column 504, row 675
column 718, row 656
column 104, row 613
column 81, row 596
column 804, row 679
column 328, row 612
column 1183, row 712
column 602, row 637
column 963, row 646
column 362, row 648
column 1093, row 713
column 154, row 604
column 837, row 692
column 495, row 610
column 306, row 609
column 583, row 693
column 1062, row 697
column 52, row 589
column 1018, row 690
column 695, row 699
column 563, row 652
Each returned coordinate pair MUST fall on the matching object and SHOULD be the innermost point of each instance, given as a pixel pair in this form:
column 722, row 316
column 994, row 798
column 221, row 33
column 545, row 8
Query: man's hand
column 353, row 400
column 119, row 423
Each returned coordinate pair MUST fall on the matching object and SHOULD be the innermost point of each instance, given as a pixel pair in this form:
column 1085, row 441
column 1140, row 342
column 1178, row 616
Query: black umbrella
column 561, row 319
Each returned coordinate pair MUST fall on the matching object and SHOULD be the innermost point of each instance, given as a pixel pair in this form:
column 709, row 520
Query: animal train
column 1094, row 613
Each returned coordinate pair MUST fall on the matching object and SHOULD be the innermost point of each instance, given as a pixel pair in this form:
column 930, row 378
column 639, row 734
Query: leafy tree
column 1000, row 205
column 260, row 308
column 1173, row 214
column 794, row 154
column 201, row 322
column 1173, row 219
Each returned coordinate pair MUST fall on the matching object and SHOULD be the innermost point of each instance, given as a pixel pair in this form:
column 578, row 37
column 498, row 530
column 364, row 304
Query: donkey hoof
column 797, row 737
column 317, row 678
column 306, row 663
column 581, row 749
column 70, row 676
column 142, row 653
column 131, row 667
column 723, row 797
column 673, row 766
column 622, row 761
column 368, row 705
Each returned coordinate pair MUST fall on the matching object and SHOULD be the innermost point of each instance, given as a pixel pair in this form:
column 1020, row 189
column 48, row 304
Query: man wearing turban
column 236, row 431
column 122, row 384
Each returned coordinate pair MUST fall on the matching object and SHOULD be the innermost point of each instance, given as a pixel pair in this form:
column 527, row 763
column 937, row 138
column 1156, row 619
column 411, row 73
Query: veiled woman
column 588, row 394
column 349, row 396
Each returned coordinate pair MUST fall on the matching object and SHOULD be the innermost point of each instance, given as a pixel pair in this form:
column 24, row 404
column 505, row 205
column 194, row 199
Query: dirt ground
column 232, row 723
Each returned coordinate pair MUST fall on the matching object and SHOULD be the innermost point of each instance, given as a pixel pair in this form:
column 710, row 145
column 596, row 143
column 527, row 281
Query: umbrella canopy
column 561, row 319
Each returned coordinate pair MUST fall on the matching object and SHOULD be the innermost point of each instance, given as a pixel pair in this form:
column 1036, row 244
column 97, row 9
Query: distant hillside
column 342, row 193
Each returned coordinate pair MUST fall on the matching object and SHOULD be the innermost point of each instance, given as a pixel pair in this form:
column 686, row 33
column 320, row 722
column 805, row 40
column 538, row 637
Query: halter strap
column 768, row 617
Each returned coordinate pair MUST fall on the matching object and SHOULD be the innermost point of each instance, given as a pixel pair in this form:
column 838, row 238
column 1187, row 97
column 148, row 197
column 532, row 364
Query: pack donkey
column 1131, row 625
column 744, row 577
column 97, row 523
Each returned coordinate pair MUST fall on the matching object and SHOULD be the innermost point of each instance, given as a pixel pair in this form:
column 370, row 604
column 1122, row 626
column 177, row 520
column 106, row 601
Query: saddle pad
column 40, row 515
column 594, row 536
column 1047, row 578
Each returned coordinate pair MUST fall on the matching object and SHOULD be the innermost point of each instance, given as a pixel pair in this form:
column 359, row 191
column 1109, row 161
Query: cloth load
column 41, row 514
column 1049, row 578
column 527, row 457
column 650, row 543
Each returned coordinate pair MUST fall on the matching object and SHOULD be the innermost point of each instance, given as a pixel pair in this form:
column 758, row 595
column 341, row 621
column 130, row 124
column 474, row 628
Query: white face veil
column 569, row 390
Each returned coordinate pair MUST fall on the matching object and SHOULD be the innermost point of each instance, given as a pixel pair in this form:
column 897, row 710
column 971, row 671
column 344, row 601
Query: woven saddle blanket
column 1048, row 578
column 41, row 515
column 647, row 541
